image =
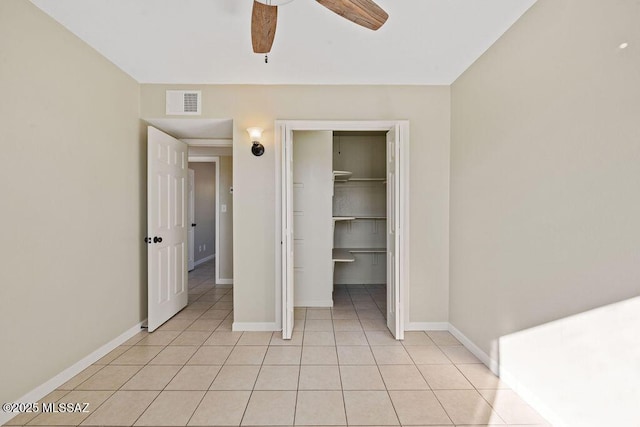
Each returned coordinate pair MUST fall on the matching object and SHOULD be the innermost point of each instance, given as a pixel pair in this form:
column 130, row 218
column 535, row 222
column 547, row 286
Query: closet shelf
column 366, row 250
column 342, row 255
column 341, row 176
column 352, row 218
column 344, row 218
column 346, row 254
column 345, row 176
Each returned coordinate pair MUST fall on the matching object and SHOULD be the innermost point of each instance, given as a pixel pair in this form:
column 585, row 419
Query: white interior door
column 312, row 218
column 287, row 235
column 394, row 321
column 166, row 227
column 192, row 220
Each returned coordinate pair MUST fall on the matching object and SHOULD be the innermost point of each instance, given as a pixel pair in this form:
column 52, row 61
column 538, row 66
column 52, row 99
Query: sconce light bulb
column 255, row 134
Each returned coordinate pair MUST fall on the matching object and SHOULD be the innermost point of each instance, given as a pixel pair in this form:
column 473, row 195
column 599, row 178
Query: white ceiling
column 208, row 41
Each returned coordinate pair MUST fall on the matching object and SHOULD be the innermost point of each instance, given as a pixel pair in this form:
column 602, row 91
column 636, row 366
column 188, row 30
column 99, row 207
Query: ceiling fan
column 264, row 18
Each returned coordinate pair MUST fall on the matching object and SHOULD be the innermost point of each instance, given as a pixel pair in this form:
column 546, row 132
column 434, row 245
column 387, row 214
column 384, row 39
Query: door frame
column 282, row 128
column 191, row 241
column 216, row 161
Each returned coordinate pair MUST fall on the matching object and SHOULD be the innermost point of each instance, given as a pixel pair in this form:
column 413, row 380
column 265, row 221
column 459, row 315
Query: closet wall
column 359, row 207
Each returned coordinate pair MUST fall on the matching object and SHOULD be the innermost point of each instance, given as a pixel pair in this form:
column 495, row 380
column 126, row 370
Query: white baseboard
column 314, row 303
column 427, row 326
column 255, row 326
column 44, row 389
column 470, row 345
column 203, row 260
column 221, row 281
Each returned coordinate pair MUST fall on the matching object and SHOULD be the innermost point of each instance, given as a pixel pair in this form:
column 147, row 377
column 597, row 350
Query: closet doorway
column 325, row 210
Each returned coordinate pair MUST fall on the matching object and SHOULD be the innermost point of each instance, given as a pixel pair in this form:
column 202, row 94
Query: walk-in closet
column 359, row 208
column 339, row 213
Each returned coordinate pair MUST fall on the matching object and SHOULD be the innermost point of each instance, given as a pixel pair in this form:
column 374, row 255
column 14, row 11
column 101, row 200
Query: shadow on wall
column 582, row 370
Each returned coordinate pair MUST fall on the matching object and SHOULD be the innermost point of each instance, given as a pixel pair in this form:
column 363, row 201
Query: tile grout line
column 202, row 345
column 295, row 405
column 430, row 388
column 185, row 364
column 255, row 382
column 380, row 373
column 215, row 376
column 295, row 411
column 335, row 341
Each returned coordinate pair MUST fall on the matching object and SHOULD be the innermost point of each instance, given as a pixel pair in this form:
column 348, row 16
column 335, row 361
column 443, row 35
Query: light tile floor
column 342, row 367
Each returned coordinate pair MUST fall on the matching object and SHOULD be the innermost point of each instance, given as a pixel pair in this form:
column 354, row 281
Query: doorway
column 397, row 173
column 221, row 211
column 169, row 150
column 203, row 182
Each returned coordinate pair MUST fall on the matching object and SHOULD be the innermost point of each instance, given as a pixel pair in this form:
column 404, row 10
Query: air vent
column 184, row 102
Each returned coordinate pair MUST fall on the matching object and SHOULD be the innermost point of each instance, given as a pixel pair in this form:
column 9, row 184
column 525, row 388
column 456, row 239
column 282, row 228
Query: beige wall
column 205, row 209
column 428, row 110
column 72, row 190
column 226, row 218
column 545, row 175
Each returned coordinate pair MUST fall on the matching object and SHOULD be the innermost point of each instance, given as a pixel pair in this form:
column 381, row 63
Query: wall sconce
column 256, row 135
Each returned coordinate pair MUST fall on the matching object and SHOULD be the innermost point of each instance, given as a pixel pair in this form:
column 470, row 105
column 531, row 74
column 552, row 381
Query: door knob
column 157, row 239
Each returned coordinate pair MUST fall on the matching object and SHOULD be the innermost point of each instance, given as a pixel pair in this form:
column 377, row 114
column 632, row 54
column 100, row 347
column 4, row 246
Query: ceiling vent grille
column 184, row 102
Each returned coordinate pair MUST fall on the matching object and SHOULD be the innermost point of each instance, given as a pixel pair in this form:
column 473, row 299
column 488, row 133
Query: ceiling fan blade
column 263, row 26
column 362, row 12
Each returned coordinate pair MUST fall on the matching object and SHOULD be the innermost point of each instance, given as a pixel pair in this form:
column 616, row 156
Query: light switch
column 223, row 208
